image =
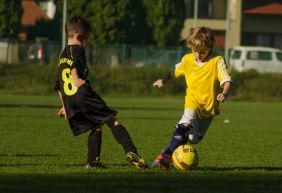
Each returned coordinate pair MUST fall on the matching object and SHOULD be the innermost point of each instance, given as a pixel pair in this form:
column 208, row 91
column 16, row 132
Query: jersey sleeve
column 179, row 68
column 223, row 72
column 77, row 55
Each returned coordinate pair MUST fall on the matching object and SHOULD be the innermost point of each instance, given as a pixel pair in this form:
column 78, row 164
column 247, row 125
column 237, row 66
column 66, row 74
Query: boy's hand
column 159, row 83
column 62, row 113
column 78, row 82
column 222, row 97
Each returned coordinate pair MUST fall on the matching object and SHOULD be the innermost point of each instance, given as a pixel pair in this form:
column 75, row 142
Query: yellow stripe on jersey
column 203, row 83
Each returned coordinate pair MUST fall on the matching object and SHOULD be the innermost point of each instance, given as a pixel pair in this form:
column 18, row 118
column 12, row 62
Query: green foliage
column 165, row 18
column 131, row 21
column 40, row 79
column 117, row 21
column 10, row 18
column 132, row 81
column 24, row 79
column 253, row 86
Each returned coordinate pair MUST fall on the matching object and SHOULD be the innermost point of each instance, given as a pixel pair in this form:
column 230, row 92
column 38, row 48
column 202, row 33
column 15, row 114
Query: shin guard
column 179, row 137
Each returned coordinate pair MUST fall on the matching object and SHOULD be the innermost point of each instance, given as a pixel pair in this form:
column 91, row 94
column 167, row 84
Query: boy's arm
column 77, row 81
column 222, row 97
column 161, row 82
column 176, row 71
column 62, row 112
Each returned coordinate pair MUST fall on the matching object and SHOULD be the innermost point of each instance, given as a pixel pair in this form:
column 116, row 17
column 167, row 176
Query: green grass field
column 38, row 152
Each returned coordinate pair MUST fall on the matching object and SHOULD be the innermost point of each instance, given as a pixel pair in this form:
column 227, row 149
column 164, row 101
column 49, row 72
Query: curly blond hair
column 201, row 38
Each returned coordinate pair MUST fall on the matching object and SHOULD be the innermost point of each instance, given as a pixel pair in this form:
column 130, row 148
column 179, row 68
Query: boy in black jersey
column 83, row 108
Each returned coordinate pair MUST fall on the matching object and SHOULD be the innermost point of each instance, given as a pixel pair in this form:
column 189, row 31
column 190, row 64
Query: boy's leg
column 184, row 133
column 122, row 136
column 179, row 137
column 94, row 148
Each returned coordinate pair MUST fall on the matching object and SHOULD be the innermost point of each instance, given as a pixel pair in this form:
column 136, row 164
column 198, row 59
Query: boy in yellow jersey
column 208, row 83
column 82, row 107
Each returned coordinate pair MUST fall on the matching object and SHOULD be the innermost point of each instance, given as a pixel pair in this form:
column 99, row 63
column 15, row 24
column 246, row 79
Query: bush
column 131, row 81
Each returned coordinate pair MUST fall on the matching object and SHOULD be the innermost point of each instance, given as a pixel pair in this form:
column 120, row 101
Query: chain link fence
column 47, row 52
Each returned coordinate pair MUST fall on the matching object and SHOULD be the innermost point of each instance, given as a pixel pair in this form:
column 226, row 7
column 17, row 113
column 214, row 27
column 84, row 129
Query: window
column 263, row 40
column 207, row 8
column 278, row 41
column 236, row 54
column 279, row 56
column 259, row 55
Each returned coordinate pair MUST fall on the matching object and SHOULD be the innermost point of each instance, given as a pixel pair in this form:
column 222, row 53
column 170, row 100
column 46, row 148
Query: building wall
column 262, row 23
column 262, row 30
column 216, row 20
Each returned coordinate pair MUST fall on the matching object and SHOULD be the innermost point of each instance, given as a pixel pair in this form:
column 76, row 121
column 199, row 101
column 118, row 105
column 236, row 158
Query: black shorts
column 93, row 111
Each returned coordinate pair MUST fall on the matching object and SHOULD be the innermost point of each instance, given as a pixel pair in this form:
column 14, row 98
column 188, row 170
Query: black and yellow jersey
column 73, row 56
column 84, row 108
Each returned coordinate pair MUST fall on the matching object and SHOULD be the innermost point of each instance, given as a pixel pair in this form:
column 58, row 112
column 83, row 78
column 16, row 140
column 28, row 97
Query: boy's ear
column 80, row 37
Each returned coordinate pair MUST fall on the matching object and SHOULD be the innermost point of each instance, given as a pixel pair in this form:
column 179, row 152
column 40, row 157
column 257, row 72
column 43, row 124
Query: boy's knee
column 112, row 122
column 183, row 128
column 99, row 129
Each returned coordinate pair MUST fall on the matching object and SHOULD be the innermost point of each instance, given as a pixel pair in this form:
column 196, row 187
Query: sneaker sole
column 136, row 161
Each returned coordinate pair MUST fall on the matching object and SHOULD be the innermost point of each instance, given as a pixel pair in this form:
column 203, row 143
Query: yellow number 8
column 69, row 86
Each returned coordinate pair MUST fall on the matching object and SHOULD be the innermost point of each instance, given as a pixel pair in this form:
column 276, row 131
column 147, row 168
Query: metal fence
column 47, row 52
column 138, row 56
column 37, row 52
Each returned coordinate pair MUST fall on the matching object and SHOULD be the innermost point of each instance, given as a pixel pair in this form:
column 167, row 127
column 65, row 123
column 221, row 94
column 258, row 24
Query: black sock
column 94, row 146
column 122, row 136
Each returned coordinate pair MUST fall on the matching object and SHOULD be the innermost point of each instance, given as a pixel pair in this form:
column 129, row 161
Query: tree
column 118, row 21
column 113, row 21
column 131, row 21
column 165, row 18
column 10, row 18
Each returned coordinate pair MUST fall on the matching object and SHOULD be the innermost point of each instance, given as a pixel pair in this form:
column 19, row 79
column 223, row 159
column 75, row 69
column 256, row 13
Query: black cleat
column 136, row 160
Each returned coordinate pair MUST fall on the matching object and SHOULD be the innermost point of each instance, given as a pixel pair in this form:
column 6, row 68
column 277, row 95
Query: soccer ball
column 185, row 157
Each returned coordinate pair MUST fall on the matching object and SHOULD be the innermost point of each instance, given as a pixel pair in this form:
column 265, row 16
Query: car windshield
column 236, row 54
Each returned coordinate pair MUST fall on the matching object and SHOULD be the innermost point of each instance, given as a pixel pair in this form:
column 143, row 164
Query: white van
column 262, row 59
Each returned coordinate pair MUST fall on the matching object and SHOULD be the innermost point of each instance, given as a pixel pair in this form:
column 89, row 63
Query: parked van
column 262, row 59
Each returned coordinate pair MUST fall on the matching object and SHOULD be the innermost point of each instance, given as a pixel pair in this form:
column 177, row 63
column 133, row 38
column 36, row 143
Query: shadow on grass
column 29, row 155
column 142, row 182
column 215, row 169
column 57, row 107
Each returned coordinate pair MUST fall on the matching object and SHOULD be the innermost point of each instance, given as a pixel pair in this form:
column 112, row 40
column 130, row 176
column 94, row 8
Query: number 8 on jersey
column 69, row 86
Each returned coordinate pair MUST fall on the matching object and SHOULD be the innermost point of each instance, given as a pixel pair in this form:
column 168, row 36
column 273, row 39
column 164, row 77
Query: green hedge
column 131, row 81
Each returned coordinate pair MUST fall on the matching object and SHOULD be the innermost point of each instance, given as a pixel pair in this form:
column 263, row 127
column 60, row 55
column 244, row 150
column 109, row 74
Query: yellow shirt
column 203, row 82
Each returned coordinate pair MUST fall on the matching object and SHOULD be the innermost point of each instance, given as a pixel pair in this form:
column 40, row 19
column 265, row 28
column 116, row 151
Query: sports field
column 241, row 152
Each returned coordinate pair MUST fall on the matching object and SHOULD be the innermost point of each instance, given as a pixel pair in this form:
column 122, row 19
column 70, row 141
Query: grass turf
column 39, row 154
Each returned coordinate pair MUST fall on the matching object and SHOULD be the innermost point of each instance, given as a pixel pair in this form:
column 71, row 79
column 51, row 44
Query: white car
column 262, row 59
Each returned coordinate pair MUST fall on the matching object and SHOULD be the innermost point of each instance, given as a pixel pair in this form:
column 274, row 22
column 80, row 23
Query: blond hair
column 201, row 38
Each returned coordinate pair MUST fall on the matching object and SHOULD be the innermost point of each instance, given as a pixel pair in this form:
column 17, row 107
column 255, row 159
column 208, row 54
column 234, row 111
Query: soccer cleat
column 163, row 160
column 95, row 165
column 135, row 160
